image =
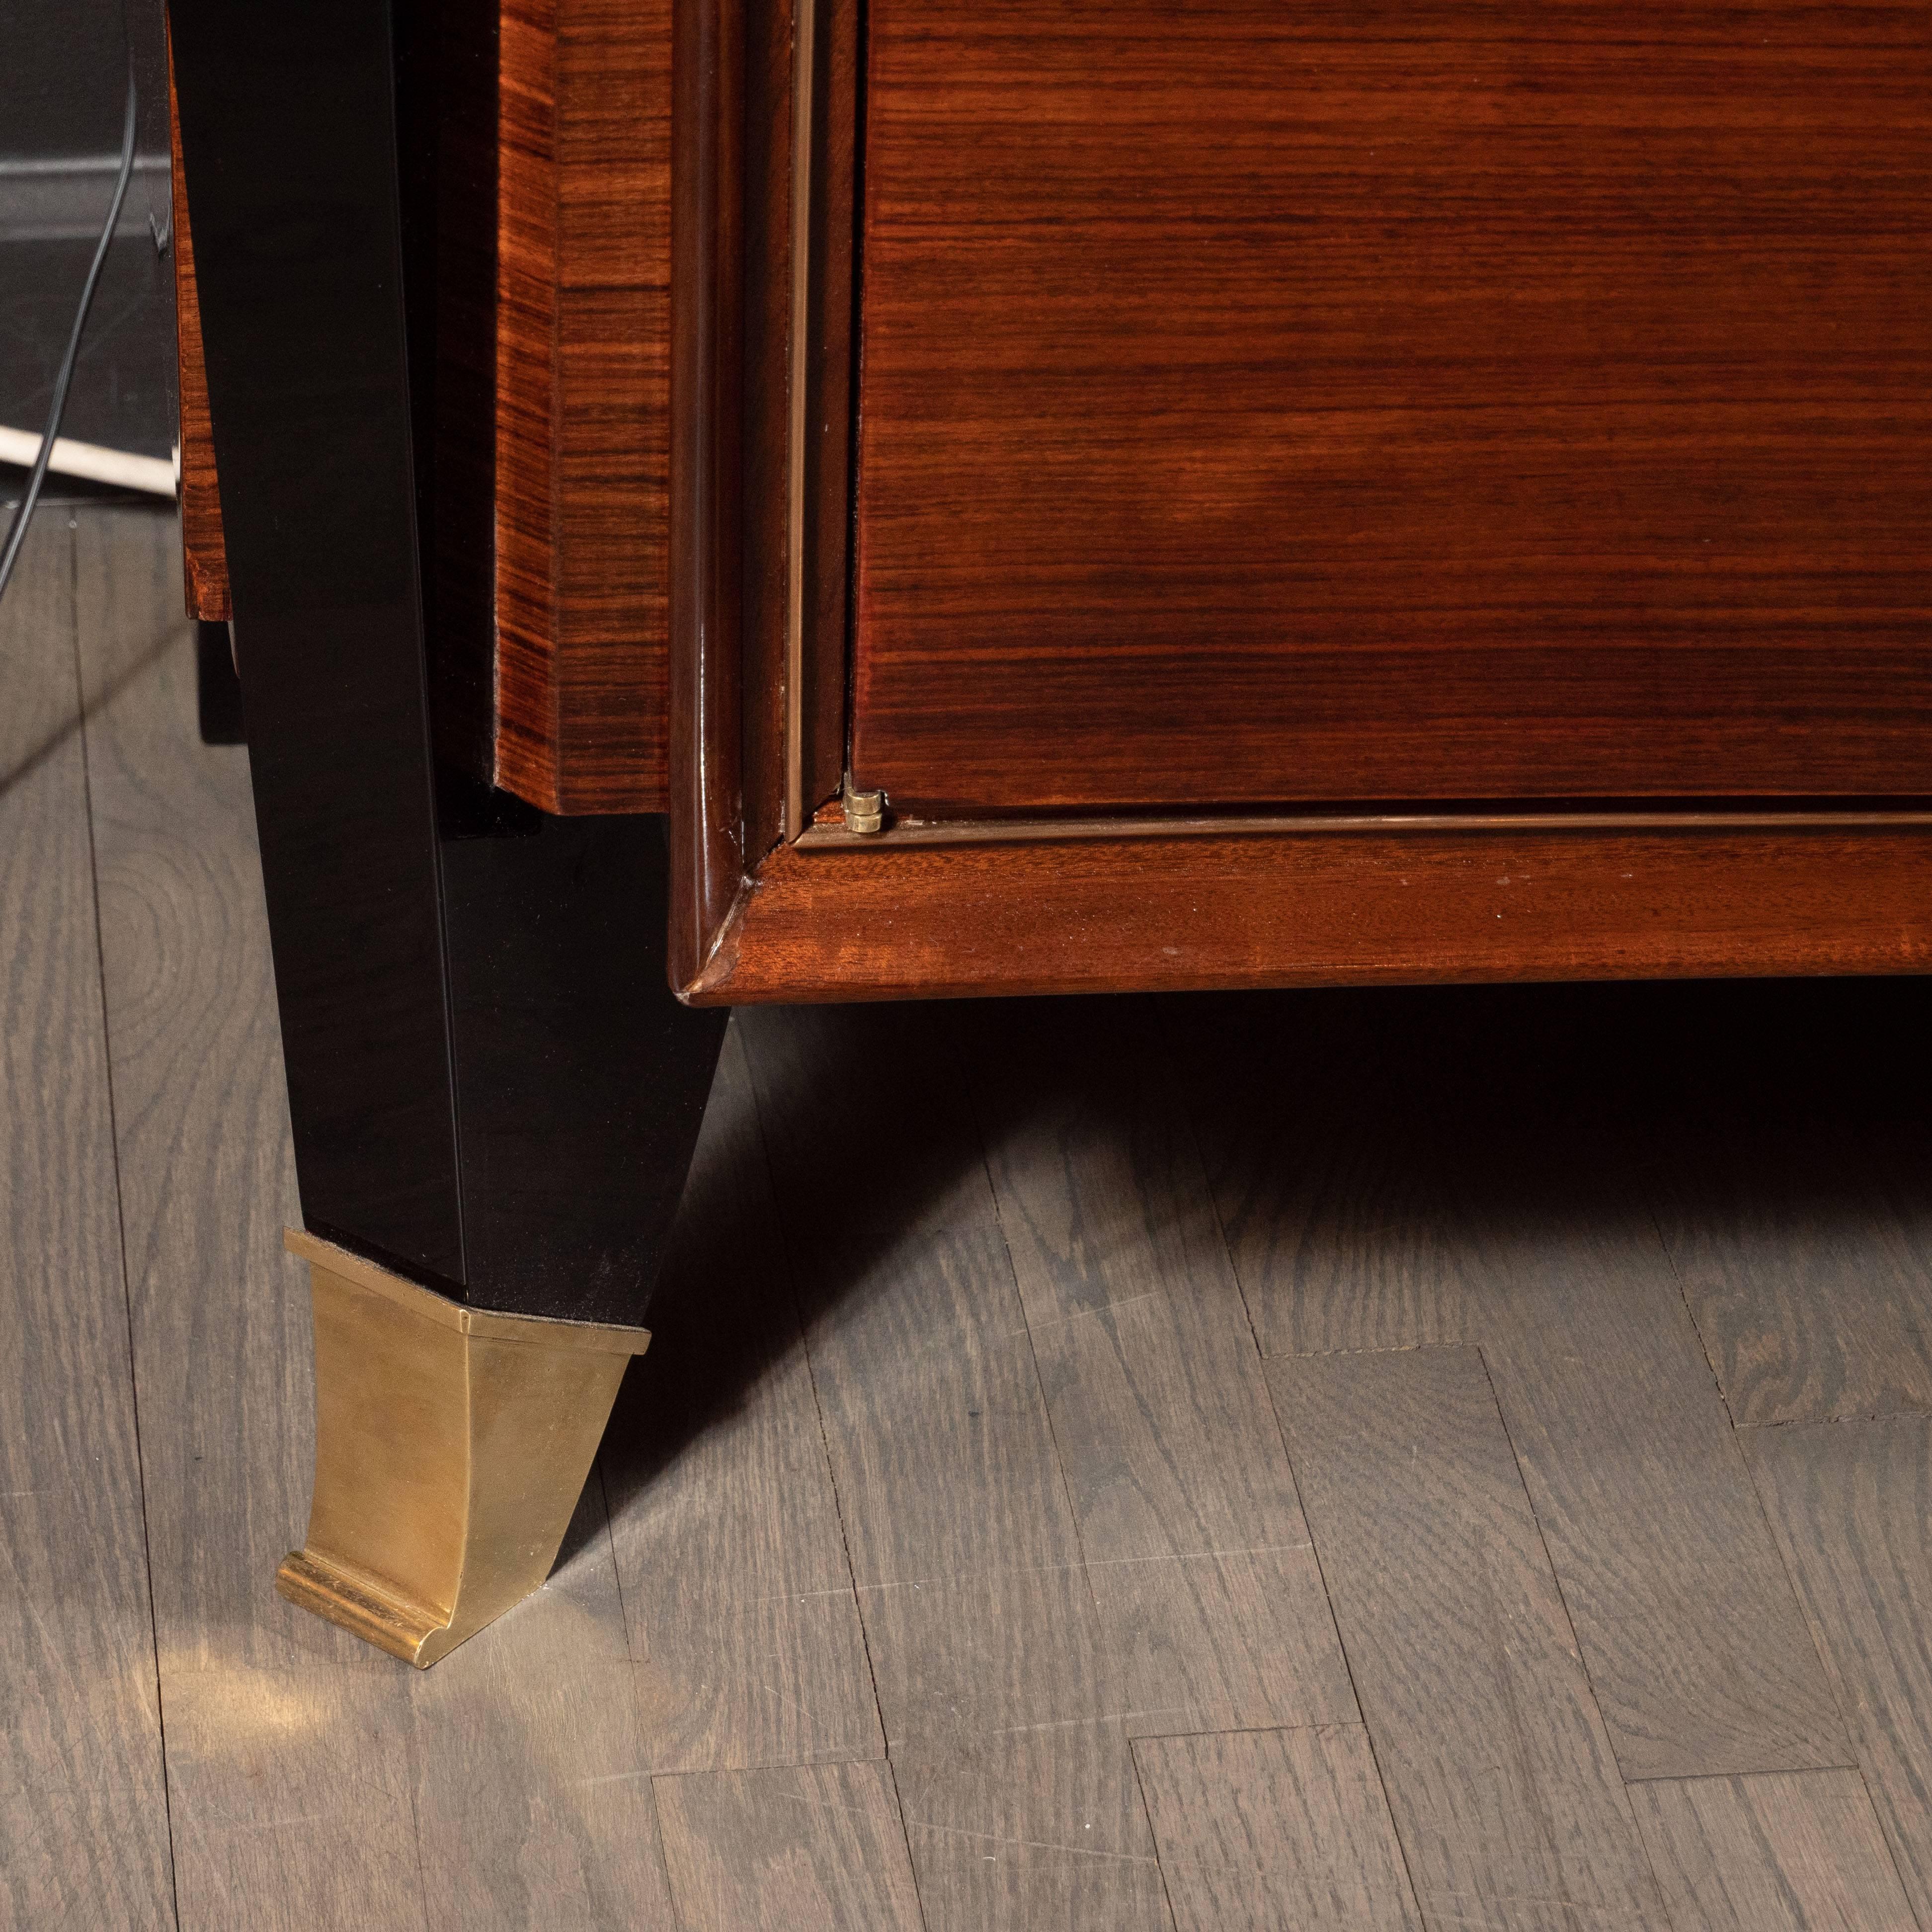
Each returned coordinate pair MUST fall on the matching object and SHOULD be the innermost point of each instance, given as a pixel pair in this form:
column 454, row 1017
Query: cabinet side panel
column 204, row 561
column 527, row 508
column 584, row 404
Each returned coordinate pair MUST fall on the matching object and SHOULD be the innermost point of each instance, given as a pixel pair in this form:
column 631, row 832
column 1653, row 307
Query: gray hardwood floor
column 1329, row 1462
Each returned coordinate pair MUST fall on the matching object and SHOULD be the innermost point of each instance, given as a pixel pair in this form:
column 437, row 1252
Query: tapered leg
column 494, row 1094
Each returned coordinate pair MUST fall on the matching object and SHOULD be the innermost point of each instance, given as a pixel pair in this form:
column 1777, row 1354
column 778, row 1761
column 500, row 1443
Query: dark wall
column 63, row 74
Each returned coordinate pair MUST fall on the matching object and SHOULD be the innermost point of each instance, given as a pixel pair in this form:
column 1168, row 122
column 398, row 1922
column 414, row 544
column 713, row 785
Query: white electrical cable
column 153, row 476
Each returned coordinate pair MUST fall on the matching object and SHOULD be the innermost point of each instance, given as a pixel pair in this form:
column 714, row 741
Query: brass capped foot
column 451, row 1446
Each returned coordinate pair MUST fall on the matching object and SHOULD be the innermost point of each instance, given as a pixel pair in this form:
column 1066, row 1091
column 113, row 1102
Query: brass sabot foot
column 451, row 1446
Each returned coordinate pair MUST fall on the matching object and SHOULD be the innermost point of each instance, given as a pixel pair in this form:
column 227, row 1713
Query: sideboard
column 724, row 501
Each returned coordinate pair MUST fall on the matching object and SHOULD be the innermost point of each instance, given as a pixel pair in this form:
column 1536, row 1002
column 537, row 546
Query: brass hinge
column 865, row 811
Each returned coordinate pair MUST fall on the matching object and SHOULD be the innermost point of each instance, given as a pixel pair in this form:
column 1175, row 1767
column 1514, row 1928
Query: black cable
column 17, row 534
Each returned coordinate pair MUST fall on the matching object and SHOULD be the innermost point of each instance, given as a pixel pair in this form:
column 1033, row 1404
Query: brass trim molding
column 451, row 1446
column 839, row 837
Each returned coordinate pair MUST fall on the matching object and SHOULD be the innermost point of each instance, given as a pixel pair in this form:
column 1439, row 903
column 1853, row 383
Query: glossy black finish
column 580, row 1081
column 491, row 1087
column 217, row 688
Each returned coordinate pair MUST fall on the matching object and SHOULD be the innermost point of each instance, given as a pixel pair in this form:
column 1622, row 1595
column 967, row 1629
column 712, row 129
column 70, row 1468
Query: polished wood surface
column 204, row 563
column 883, row 920
column 824, row 317
column 1263, row 404
column 799, row 158
column 583, row 404
column 772, row 265
column 708, row 737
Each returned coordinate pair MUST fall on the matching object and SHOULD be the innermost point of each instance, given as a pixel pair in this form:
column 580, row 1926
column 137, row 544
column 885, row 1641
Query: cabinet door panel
column 1358, row 401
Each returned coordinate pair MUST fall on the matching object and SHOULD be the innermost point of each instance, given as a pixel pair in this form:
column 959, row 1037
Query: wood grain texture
column 1202, row 1572
column 1464, row 1180
column 583, row 404
column 506, row 1787
column 768, row 372
column 1117, row 915
column 738, row 1597
column 830, row 317
column 1004, row 1710
column 1276, row 1832
column 1696, row 1649
column 83, row 1827
column 1530, row 403
column 1793, row 1852
column 706, row 756
column 1851, row 1502
column 204, row 560
column 1461, row 1649
column 560, row 692
column 1807, row 1259
column 817, row 1848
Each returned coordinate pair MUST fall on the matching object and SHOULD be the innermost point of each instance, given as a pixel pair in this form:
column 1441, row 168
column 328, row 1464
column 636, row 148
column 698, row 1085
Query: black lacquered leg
column 493, row 1090
column 495, row 1095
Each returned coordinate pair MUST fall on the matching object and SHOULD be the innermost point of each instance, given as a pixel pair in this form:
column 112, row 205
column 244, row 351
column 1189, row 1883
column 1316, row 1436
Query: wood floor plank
column 1197, row 1555
column 1284, row 1830
column 729, row 1547
column 1779, row 1852
column 816, row 1848
column 1805, row 1251
column 1696, row 1645
column 316, row 1780
column 1477, row 1185
column 1853, row 1506
column 1497, row 1766
column 1043, row 1825
column 83, row 1830
column 1002, row 1708
column 532, row 1793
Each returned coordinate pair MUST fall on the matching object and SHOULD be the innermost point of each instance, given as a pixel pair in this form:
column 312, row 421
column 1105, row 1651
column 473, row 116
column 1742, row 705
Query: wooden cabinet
column 1267, row 495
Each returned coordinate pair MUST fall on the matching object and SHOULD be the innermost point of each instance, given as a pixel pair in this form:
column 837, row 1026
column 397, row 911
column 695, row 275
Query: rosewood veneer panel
column 204, row 560
column 1264, row 404
column 551, row 668
column 583, row 400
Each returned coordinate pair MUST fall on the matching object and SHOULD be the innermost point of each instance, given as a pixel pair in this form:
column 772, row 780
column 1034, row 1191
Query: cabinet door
column 1438, row 401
